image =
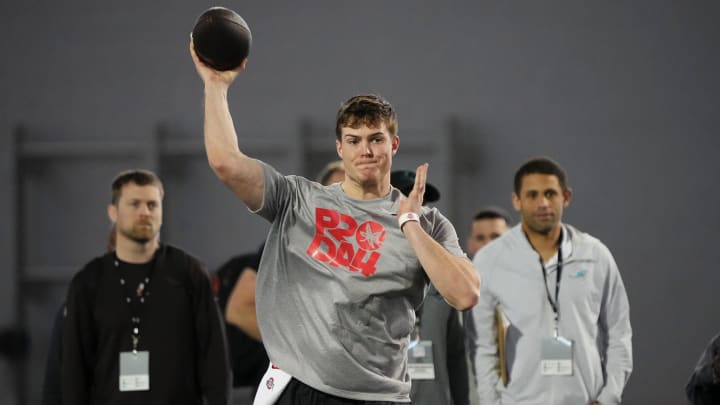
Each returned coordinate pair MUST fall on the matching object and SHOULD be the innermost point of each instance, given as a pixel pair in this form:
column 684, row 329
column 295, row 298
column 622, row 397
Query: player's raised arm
column 241, row 173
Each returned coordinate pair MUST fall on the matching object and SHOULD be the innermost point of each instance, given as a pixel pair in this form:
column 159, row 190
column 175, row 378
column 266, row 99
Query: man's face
column 138, row 213
column 483, row 231
column 541, row 202
column 367, row 153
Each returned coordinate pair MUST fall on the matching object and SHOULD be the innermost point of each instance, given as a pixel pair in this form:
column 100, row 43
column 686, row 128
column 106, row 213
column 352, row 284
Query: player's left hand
column 414, row 200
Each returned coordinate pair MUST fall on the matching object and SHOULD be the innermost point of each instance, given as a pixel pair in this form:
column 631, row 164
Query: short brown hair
column 368, row 109
column 540, row 165
column 140, row 177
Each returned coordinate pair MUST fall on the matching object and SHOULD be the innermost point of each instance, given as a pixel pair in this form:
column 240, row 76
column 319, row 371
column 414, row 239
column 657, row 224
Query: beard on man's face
column 140, row 233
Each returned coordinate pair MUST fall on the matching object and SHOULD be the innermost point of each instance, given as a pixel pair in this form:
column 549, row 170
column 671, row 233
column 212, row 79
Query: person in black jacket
column 704, row 385
column 51, row 389
column 142, row 325
column 248, row 358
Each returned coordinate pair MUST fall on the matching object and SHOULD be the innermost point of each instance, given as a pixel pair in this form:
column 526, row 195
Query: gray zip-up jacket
column 593, row 312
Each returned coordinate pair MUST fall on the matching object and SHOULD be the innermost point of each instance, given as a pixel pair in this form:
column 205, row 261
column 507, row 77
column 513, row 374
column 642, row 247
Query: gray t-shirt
column 338, row 286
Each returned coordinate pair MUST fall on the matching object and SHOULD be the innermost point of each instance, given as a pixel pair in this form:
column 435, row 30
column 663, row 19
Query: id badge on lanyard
column 420, row 360
column 134, row 371
column 557, row 351
column 557, row 356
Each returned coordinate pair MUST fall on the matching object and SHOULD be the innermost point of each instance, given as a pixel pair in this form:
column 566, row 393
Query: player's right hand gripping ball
column 221, row 38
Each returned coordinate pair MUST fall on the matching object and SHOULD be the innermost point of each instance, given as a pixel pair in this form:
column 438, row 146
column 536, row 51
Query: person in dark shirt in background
column 234, row 286
column 51, row 389
column 142, row 325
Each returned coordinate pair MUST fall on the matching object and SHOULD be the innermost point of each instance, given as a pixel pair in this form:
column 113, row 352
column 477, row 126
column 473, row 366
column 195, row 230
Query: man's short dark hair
column 540, row 165
column 492, row 213
column 140, row 177
column 370, row 110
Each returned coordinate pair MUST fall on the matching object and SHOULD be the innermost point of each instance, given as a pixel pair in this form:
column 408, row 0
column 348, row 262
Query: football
column 221, row 38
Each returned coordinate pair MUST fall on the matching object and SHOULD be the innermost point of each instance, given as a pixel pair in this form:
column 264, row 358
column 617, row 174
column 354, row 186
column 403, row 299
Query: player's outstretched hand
column 414, row 200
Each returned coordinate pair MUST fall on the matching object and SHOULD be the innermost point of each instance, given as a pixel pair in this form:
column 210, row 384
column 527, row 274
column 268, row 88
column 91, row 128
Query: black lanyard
column 136, row 299
column 556, row 304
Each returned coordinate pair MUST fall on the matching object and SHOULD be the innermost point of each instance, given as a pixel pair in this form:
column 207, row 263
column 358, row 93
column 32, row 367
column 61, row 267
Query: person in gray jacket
column 565, row 334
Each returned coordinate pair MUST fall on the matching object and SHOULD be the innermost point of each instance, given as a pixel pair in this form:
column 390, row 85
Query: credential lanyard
column 554, row 304
column 136, row 299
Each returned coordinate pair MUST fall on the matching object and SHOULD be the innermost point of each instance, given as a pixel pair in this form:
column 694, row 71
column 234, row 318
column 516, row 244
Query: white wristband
column 406, row 217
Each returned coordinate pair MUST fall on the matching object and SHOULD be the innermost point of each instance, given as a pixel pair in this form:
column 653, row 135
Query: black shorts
column 297, row 393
